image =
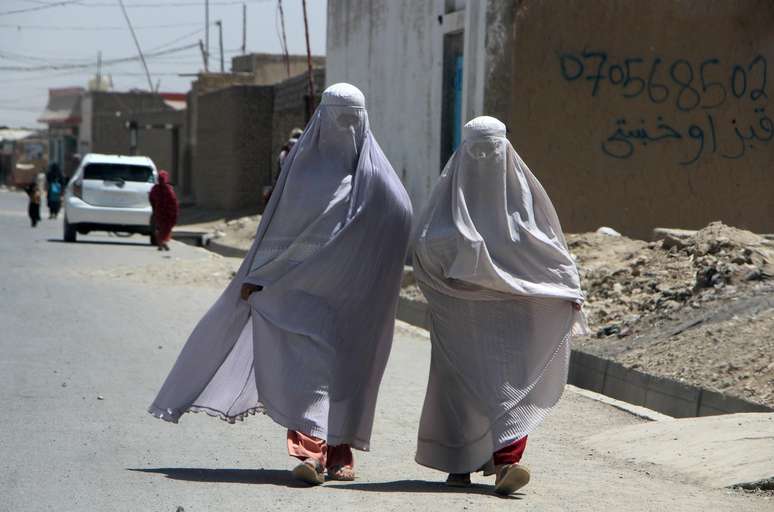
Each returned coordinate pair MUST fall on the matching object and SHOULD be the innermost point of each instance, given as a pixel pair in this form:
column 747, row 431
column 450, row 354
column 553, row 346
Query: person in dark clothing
column 54, row 187
column 33, row 208
column 165, row 209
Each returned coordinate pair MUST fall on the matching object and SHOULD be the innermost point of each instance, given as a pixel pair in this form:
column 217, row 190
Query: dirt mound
column 696, row 306
column 627, row 279
column 239, row 232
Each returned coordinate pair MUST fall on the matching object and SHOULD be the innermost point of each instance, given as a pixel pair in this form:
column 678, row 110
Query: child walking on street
column 55, row 183
column 33, row 209
column 165, row 210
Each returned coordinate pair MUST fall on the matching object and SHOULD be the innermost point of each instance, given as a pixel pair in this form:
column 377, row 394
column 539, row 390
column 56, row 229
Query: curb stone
column 612, row 379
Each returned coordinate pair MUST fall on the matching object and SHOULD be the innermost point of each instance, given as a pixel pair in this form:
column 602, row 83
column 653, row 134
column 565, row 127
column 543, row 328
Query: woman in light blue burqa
column 505, row 301
column 304, row 330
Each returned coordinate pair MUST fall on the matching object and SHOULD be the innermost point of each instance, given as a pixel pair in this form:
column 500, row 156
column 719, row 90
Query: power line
column 81, row 70
column 21, row 109
column 199, row 3
column 109, row 62
column 87, row 73
column 177, row 40
column 19, row 57
column 137, row 43
column 283, row 38
column 309, row 61
column 41, row 7
column 81, row 3
column 75, row 28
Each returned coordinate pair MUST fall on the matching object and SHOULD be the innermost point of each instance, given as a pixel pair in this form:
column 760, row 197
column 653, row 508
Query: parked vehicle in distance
column 23, row 155
column 110, row 193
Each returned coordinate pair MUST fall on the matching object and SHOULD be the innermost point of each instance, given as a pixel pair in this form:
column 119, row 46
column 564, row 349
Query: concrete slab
column 717, row 451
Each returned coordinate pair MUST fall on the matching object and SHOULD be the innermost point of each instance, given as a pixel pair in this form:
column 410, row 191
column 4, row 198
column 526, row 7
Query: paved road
column 83, row 353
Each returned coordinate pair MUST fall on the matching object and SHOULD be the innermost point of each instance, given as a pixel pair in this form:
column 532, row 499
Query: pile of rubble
column 695, row 306
column 627, row 280
column 238, row 233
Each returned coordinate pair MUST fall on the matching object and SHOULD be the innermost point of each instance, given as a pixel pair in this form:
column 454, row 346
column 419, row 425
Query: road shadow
column 101, row 242
column 229, row 476
column 423, row 486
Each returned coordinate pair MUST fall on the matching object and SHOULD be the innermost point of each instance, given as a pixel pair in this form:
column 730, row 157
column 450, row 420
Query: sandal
column 310, row 471
column 341, row 473
column 458, row 480
column 510, row 478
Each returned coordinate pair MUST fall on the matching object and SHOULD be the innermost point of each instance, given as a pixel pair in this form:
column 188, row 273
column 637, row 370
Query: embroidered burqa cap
column 310, row 348
column 490, row 256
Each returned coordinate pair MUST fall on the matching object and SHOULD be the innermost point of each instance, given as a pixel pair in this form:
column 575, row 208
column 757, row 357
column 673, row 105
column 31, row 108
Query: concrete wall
column 678, row 147
column 640, row 114
column 106, row 132
column 392, row 50
column 232, row 156
column 268, row 68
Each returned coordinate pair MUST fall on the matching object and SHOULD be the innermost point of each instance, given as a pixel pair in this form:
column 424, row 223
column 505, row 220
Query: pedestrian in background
column 33, row 206
column 54, row 187
column 40, row 180
column 504, row 297
column 304, row 330
column 166, row 208
column 75, row 162
column 295, row 134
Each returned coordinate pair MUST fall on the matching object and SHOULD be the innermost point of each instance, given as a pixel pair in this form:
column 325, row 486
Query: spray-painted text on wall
column 679, row 87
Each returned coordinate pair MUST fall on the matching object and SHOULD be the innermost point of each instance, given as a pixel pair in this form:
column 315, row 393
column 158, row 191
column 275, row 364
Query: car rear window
column 118, row 172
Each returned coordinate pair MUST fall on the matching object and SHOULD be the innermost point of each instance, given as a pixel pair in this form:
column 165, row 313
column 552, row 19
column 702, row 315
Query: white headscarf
column 490, row 225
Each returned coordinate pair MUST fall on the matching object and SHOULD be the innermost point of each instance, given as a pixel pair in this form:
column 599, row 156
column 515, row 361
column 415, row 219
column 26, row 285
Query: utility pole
column 137, row 43
column 99, row 71
column 244, row 29
column 204, row 55
column 206, row 35
column 219, row 23
column 309, row 63
column 284, row 38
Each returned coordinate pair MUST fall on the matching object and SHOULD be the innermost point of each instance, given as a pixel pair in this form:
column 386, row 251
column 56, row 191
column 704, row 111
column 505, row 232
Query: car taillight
column 78, row 189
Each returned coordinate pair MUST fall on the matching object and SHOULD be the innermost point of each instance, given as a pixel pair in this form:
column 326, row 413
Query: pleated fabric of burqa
column 310, row 348
column 490, row 257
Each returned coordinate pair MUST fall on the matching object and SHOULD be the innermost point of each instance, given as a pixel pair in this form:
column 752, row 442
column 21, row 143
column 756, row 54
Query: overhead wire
column 81, row 3
column 107, row 62
column 282, row 37
column 177, row 40
column 184, row 3
column 85, row 28
column 40, row 7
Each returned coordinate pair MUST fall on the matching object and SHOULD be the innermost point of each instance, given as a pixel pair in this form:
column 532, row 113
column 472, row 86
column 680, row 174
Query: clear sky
column 71, row 34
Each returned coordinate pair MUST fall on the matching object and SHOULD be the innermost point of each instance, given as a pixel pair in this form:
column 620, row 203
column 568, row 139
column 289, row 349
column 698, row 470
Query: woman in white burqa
column 304, row 330
column 504, row 297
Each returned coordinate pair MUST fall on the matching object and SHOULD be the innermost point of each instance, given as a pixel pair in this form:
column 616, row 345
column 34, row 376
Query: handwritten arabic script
column 705, row 87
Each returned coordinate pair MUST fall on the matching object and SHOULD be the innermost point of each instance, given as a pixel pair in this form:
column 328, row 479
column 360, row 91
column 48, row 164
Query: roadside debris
column 696, row 306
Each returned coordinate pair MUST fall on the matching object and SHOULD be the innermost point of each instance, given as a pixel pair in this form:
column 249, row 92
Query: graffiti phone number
column 706, row 84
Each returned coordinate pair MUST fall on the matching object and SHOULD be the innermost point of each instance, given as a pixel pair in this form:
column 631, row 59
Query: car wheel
column 69, row 231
